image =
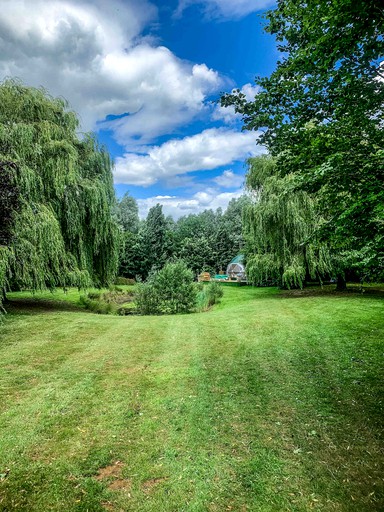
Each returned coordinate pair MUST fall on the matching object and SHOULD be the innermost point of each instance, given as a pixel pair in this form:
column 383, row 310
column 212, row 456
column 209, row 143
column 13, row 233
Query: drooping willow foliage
column 56, row 196
column 278, row 227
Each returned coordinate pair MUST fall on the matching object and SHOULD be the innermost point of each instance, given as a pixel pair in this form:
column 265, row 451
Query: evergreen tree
column 153, row 241
column 229, row 239
column 128, row 214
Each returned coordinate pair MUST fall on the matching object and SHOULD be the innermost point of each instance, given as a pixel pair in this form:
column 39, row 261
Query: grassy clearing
column 268, row 402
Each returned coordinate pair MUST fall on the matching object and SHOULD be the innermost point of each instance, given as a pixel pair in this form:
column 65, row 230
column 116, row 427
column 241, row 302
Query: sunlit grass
column 268, row 402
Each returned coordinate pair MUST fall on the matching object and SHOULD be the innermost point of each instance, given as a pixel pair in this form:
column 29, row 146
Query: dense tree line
column 206, row 241
column 321, row 113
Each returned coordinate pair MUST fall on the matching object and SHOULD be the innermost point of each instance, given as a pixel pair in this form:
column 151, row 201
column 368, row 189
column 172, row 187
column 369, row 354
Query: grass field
column 271, row 402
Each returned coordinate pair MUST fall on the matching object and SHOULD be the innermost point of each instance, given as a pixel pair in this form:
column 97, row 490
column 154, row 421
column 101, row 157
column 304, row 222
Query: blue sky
column 145, row 75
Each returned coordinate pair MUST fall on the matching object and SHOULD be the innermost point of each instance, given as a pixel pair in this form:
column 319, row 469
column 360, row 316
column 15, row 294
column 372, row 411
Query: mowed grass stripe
column 265, row 403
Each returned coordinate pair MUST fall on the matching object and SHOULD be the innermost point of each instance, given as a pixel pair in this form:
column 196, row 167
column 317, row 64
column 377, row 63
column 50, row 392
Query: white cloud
column 228, row 179
column 250, row 91
column 207, row 150
column 178, row 206
column 91, row 53
column 163, row 93
column 226, row 8
column 228, row 114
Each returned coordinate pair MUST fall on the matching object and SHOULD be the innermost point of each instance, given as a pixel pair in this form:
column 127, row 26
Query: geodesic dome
column 236, row 268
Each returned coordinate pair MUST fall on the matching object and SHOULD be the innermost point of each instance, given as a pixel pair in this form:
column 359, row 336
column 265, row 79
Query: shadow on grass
column 352, row 291
column 34, row 305
column 251, row 293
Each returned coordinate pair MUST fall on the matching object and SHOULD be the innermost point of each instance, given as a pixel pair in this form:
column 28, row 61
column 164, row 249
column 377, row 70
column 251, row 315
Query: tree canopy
column 278, row 229
column 321, row 112
column 56, row 195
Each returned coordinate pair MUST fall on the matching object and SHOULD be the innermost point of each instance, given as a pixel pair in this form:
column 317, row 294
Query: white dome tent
column 236, row 269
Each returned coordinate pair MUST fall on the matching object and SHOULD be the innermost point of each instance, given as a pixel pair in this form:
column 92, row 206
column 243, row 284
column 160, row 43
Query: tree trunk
column 341, row 284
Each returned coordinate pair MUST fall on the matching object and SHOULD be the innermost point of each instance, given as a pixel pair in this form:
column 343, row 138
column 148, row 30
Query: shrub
column 146, row 299
column 168, row 291
column 215, row 292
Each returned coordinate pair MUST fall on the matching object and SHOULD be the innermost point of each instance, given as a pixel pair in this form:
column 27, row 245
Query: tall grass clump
column 208, row 295
column 97, row 306
column 111, row 302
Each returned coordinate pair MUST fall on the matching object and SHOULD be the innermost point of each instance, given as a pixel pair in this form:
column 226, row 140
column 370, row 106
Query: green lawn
column 268, row 402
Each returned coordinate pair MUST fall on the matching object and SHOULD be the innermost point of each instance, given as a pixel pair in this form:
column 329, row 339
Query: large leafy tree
column 322, row 115
column 56, row 196
column 195, row 240
column 197, row 252
column 278, row 227
column 132, row 257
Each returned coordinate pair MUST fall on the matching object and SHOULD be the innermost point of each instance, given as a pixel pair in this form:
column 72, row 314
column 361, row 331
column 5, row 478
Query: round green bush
column 170, row 290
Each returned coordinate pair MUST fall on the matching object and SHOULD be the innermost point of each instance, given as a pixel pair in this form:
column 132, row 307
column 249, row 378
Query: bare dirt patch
column 148, row 485
column 113, row 474
column 121, row 485
column 108, row 506
column 112, row 471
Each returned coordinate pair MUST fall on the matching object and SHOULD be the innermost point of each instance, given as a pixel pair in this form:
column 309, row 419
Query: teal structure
column 236, row 269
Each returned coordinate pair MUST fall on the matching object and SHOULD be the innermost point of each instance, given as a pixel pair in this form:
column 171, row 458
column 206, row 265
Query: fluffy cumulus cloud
column 179, row 206
column 228, row 114
column 163, row 94
column 228, row 179
column 208, row 150
column 91, row 52
column 226, row 8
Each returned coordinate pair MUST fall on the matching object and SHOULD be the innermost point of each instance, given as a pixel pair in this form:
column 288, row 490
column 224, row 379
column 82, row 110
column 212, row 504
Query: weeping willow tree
column 279, row 225
column 56, row 196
